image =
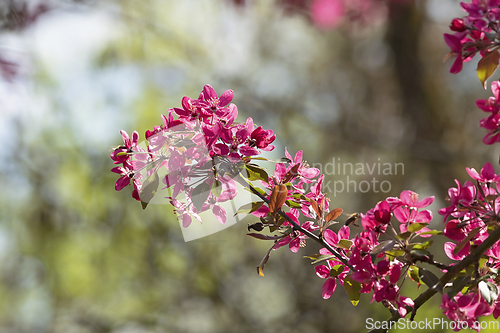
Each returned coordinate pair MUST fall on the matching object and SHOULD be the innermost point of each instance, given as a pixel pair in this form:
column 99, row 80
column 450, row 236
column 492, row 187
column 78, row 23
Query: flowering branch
column 306, row 232
column 472, row 258
column 205, row 152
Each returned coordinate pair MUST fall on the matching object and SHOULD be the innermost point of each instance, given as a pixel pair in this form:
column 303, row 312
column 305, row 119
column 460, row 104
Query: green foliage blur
column 78, row 257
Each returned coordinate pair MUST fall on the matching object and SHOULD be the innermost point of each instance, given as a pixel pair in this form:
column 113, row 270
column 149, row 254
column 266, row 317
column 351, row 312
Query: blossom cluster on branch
column 201, row 151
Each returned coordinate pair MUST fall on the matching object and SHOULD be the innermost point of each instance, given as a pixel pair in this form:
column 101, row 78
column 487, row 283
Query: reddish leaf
column 291, row 174
column 316, row 208
column 264, row 237
column 260, row 268
column 278, row 198
column 333, row 214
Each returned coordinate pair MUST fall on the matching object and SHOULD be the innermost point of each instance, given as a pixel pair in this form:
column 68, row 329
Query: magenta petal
column 310, row 173
column 453, row 42
column 344, row 232
column 119, row 170
column 209, row 92
column 401, row 214
column 426, row 202
column 395, row 274
column 329, row 288
column 457, row 65
column 282, row 242
column 287, row 154
column 135, row 138
column 330, row 237
column 322, row 271
column 487, row 171
column 424, row 216
column 220, row 213
column 232, row 114
column 298, row 157
column 294, row 245
column 279, row 170
column 126, row 138
column 226, row 97
column 449, row 247
column 495, row 89
column 122, row 182
column 248, row 151
column 186, row 220
column 409, row 198
column 268, row 148
column 483, row 105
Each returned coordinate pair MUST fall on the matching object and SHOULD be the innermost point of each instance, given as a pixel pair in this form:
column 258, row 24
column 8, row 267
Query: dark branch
column 304, row 231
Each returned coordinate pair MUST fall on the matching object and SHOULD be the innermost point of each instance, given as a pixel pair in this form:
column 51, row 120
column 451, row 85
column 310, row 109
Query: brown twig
column 304, row 231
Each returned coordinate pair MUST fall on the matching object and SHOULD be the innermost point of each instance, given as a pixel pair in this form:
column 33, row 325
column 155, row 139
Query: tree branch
column 304, row 231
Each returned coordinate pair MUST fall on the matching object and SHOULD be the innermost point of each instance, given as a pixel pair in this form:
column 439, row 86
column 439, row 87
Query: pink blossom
column 487, row 174
column 330, row 284
column 455, row 44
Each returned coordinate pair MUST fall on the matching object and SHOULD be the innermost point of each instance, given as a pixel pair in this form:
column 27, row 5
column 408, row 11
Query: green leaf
column 216, row 188
column 418, row 253
column 249, row 207
column 312, row 256
column 345, row 244
column 487, row 66
column 432, row 232
column 200, row 195
column 281, row 160
column 353, row 289
column 414, row 275
column 336, row 270
column 404, row 235
column 323, row 257
column 383, row 247
column 149, row 189
column 395, row 253
column 258, row 189
column 123, row 153
column 422, row 246
column 430, row 279
column 298, row 196
column 256, row 173
column 293, row 204
column 414, row 227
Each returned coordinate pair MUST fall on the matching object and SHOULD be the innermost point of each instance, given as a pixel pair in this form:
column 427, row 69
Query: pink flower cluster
column 477, row 32
column 492, row 122
column 467, row 309
column 200, row 151
column 474, row 209
column 378, row 240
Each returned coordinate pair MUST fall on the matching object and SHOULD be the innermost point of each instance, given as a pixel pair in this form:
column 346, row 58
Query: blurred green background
column 78, row 257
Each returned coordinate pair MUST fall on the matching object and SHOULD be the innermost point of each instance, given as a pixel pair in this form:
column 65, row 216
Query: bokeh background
column 361, row 81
